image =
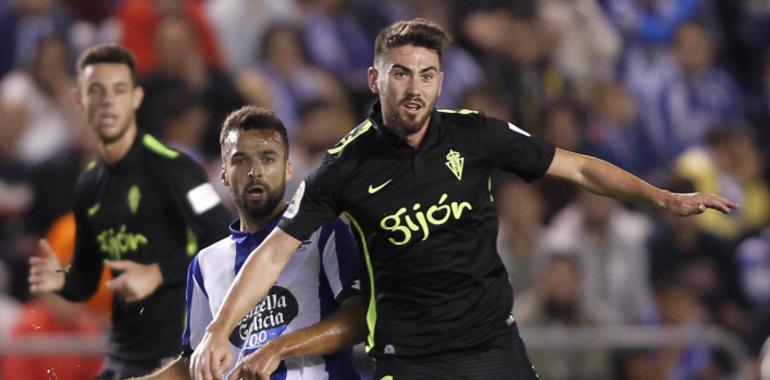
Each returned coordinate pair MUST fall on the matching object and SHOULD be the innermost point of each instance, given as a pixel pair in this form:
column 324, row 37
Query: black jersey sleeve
column 316, row 200
column 82, row 278
column 200, row 207
column 514, row 150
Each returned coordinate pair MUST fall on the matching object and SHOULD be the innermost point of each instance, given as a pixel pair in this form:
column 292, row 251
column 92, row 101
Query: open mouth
column 108, row 119
column 412, row 107
column 256, row 192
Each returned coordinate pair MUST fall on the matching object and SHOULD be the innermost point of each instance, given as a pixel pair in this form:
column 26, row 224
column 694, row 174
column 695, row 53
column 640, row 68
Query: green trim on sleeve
column 352, row 135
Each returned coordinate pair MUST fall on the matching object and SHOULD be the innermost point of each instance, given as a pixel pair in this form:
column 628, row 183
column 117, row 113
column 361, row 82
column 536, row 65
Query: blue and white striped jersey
column 318, row 277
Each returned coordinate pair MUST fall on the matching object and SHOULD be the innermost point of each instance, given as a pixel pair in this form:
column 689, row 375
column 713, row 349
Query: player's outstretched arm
column 176, row 370
column 342, row 329
column 260, row 271
column 601, row 177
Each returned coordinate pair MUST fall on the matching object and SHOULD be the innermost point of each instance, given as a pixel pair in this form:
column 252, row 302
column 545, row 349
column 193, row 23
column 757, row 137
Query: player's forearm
column 603, row 178
column 342, row 329
column 258, row 274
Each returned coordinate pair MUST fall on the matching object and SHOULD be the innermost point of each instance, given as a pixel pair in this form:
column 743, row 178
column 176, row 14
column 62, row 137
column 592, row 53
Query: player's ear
column 440, row 82
column 138, row 96
column 78, row 97
column 224, row 176
column 372, row 79
column 289, row 170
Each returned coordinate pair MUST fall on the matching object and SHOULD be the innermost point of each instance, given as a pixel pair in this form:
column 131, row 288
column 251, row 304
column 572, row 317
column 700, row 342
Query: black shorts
column 505, row 363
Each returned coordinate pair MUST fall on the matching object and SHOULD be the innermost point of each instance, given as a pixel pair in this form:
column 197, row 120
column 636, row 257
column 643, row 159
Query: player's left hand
column 137, row 280
column 258, row 365
column 696, row 203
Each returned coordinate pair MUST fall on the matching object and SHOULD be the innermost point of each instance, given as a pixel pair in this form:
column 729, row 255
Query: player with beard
column 313, row 313
column 415, row 183
column 141, row 209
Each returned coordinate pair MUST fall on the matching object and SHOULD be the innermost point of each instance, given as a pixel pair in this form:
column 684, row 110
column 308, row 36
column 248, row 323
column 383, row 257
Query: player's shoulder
column 89, row 178
column 160, row 156
column 217, row 250
column 460, row 117
column 358, row 140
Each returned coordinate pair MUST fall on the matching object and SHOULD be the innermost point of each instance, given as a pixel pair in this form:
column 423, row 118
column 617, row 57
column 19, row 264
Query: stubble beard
column 257, row 211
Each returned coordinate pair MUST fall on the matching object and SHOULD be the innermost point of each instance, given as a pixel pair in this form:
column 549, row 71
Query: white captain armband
column 202, row 198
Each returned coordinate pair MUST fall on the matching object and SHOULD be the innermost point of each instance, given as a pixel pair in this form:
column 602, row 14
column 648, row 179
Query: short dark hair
column 253, row 118
column 417, row 31
column 108, row 53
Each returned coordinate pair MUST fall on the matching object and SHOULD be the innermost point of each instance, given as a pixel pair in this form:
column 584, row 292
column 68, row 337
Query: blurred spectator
column 93, row 22
column 140, row 22
column 613, row 132
column 520, row 207
column 689, row 95
column 647, row 27
column 55, row 178
column 285, row 79
column 484, row 98
column 184, row 119
column 23, row 23
column 322, row 124
column 240, row 26
column 16, row 194
column 610, row 244
column 587, row 45
column 40, row 100
column 563, row 127
column 683, row 254
column 677, row 307
column 182, row 67
column 729, row 164
column 526, row 73
column 556, row 302
column 754, row 256
column 337, row 41
column 513, row 49
column 758, row 107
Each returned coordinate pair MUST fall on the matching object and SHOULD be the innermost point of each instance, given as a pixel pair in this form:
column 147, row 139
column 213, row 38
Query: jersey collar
column 245, row 242
column 390, row 139
column 131, row 156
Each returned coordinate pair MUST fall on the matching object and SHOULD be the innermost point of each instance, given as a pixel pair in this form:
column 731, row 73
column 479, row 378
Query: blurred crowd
column 675, row 91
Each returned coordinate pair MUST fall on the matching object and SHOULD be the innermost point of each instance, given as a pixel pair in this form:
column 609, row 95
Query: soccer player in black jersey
column 414, row 182
column 143, row 210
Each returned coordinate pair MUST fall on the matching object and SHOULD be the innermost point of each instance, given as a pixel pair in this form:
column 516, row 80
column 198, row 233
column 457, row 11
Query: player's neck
column 412, row 139
column 116, row 150
column 250, row 224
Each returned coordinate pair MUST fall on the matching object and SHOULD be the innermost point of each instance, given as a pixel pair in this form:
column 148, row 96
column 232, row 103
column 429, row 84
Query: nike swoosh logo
column 373, row 189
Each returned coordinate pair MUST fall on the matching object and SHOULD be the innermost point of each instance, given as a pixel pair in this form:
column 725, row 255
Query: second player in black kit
column 142, row 210
column 155, row 205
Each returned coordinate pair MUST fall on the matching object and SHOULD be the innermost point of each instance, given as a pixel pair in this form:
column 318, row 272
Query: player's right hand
column 211, row 358
column 45, row 272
